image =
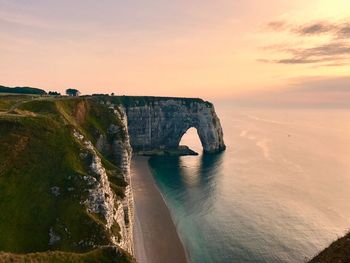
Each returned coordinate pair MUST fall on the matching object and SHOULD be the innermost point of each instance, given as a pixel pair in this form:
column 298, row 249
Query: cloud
column 331, row 49
column 315, row 28
column 344, row 31
column 277, row 25
column 337, row 29
column 296, row 61
column 335, row 54
column 334, row 51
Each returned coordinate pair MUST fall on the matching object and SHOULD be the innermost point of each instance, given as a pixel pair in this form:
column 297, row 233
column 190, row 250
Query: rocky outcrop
column 159, row 123
column 102, row 200
column 122, row 153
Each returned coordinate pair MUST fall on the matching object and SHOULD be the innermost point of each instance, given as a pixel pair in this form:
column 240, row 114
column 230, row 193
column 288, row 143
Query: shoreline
column 155, row 236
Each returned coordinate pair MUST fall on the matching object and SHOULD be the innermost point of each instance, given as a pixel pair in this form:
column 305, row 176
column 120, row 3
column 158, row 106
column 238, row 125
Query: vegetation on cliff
column 132, row 101
column 100, row 255
column 337, row 252
column 43, row 186
column 22, row 90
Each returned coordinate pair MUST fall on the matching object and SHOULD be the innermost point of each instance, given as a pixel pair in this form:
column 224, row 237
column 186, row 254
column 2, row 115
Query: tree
column 22, row 90
column 54, row 93
column 72, row 92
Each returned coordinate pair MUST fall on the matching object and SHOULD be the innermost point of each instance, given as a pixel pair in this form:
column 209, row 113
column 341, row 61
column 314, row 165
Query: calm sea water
column 280, row 193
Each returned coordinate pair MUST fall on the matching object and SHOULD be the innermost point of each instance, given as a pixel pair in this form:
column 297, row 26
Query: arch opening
column 192, row 140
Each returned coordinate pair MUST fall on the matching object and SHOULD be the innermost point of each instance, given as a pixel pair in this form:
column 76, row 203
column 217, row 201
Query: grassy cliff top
column 129, row 101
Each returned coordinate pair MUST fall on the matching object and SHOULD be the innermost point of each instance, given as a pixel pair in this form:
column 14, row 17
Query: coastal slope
column 64, row 191
column 337, row 252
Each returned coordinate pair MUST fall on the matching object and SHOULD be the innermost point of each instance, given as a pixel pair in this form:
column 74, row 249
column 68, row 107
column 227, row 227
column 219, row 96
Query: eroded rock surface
column 160, row 124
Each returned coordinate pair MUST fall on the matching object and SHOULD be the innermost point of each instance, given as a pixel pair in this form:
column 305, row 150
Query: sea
column 279, row 193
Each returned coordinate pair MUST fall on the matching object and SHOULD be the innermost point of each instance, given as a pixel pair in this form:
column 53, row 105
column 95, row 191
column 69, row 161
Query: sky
column 200, row 48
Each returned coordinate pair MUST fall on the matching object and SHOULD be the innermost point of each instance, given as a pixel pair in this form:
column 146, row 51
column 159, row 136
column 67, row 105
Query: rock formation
column 120, row 150
column 157, row 123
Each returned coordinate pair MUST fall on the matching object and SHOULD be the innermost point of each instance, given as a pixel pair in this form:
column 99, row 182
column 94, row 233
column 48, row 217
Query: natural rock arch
column 159, row 123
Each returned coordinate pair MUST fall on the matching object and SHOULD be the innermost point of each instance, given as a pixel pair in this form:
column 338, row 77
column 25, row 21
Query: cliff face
column 120, row 151
column 160, row 123
column 114, row 144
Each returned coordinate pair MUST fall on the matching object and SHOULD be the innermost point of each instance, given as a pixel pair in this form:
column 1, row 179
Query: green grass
column 7, row 100
column 40, row 106
column 101, row 255
column 42, row 154
column 129, row 101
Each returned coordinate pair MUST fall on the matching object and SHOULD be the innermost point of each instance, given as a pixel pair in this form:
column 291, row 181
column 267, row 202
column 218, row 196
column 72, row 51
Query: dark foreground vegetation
column 22, row 90
column 101, row 255
column 337, row 252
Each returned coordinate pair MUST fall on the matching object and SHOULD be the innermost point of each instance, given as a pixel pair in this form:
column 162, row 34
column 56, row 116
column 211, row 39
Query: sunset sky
column 198, row 48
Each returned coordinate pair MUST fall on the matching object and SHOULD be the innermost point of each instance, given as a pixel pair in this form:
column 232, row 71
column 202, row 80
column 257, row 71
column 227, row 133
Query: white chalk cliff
column 159, row 123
